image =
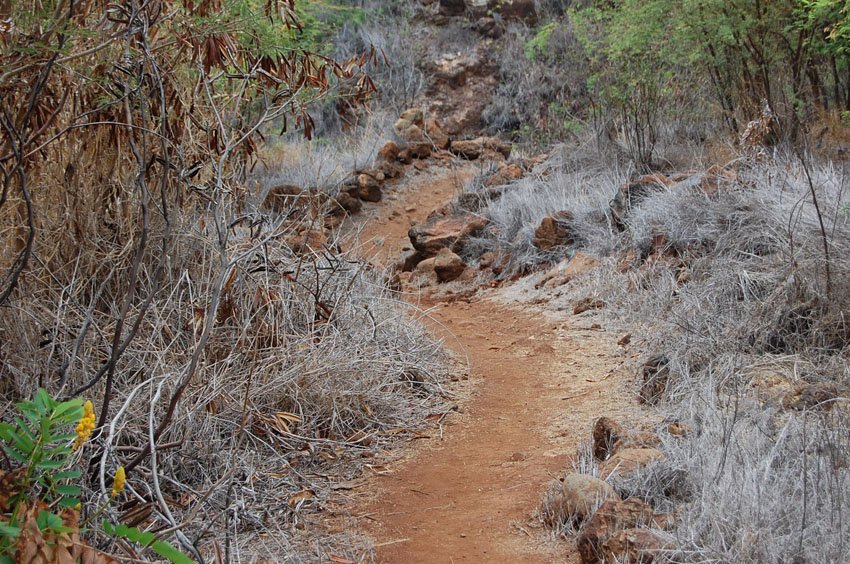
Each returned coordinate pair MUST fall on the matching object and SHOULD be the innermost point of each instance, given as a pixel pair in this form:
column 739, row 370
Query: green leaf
column 67, row 475
column 16, row 455
column 50, row 464
column 67, row 409
column 66, row 502
column 9, row 531
column 168, row 551
column 67, row 489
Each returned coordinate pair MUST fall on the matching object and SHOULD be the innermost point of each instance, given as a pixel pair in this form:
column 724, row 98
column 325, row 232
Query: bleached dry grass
column 754, row 480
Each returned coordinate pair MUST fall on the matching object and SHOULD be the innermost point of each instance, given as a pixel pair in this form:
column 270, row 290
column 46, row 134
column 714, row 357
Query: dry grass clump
column 559, row 184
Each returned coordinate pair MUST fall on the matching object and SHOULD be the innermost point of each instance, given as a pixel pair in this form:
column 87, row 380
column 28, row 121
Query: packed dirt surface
column 537, row 382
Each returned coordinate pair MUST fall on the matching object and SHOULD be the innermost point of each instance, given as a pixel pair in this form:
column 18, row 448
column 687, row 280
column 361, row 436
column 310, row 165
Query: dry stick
column 824, row 239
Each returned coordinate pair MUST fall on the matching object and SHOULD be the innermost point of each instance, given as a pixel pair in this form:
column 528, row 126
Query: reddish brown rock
column 448, row 231
column 504, row 174
column 473, row 149
column 448, row 265
column 389, row 152
column 368, row 188
column 611, row 517
column 283, row 197
column 606, row 432
column 635, row 546
column 554, row 231
column 586, row 304
column 576, row 497
column 345, row 203
column 435, row 134
column 524, row 10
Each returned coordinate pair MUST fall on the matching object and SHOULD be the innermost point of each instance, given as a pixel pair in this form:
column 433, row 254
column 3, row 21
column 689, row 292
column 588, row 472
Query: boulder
column 283, row 197
column 368, row 188
column 444, row 231
column 576, row 497
column 346, row 203
column 627, row 461
column 632, row 193
column 489, row 27
column 435, row 134
column 412, row 117
column 635, row 546
column 389, row 152
column 568, row 270
column 524, row 10
column 613, row 516
column 504, row 174
column 409, row 260
column 554, row 231
column 452, row 7
column 448, row 265
column 472, row 149
column 606, row 432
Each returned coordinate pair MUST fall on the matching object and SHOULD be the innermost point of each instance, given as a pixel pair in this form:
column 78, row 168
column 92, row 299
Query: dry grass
column 759, row 478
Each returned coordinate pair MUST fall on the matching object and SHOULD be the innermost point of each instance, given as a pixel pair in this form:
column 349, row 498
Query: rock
column 632, row 193
column 586, row 304
column 389, row 152
column 473, row 149
column 524, row 10
column 409, row 260
column 347, row 203
column 624, row 339
column 307, row 241
column 576, row 498
column 420, row 150
column 391, row 169
column 412, row 117
column 435, row 134
column 627, row 461
column 486, row 260
column 489, row 27
column 606, row 432
column 813, row 396
column 654, row 374
column 635, row 546
column 452, row 7
column 568, row 270
column 504, row 174
column 448, row 265
column 441, row 231
column 612, row 516
column 554, row 231
column 405, row 155
column 283, row 197
column 425, row 270
column 369, row 188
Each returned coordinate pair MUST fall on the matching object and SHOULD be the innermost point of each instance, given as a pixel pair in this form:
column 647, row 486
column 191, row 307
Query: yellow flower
column 85, row 426
column 118, row 483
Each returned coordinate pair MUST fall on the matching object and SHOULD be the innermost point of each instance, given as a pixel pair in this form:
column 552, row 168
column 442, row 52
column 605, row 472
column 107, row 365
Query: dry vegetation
column 238, row 375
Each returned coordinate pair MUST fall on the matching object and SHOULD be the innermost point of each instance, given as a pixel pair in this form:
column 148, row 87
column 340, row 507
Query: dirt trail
column 538, row 384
